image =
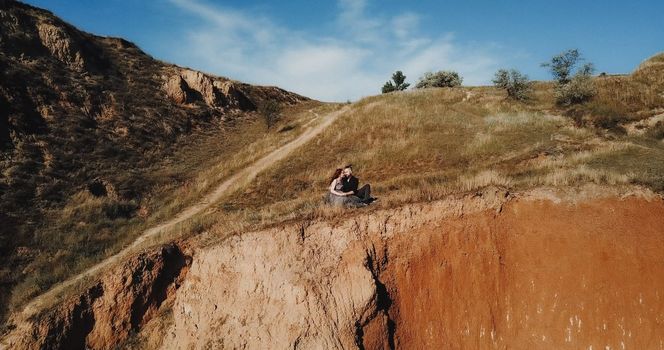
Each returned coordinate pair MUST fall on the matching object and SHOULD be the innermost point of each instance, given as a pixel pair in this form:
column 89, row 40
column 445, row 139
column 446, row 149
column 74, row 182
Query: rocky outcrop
column 61, row 46
column 106, row 313
column 310, row 285
column 178, row 90
column 187, row 86
column 204, row 85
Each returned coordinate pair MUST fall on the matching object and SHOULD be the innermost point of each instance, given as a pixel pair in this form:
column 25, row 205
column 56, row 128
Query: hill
column 499, row 223
column 427, row 144
column 95, row 135
column 481, row 198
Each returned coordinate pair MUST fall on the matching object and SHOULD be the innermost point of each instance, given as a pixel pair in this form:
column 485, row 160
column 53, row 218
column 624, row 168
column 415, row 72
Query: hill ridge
column 86, row 123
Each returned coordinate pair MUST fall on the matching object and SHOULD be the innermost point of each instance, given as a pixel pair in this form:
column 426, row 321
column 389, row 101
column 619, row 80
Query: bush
column 572, row 88
column 441, row 78
column 270, row 111
column 518, row 85
column 398, row 85
column 578, row 90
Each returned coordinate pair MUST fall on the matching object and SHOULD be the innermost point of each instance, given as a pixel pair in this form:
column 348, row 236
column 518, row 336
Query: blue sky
column 346, row 49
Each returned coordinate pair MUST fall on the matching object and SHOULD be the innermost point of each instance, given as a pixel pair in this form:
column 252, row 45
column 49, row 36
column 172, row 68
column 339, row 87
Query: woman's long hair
column 335, row 175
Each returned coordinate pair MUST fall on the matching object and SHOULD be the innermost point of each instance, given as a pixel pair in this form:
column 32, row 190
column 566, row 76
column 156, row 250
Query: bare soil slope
column 540, row 275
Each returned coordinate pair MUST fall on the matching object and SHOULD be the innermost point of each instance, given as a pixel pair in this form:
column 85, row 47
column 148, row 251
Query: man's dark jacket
column 350, row 184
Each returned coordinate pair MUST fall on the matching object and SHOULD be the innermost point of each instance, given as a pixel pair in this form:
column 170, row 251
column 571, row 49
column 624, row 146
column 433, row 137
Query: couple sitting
column 344, row 191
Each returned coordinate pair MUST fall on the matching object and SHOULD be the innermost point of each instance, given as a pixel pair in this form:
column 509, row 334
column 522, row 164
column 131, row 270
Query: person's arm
column 333, row 191
column 354, row 184
column 351, row 188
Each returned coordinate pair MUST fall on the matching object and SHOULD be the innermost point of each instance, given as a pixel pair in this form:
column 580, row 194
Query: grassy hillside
column 424, row 145
column 427, row 144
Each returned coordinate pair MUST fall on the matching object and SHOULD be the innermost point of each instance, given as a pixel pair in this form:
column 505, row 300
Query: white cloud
column 355, row 24
column 404, row 25
column 352, row 61
column 321, row 71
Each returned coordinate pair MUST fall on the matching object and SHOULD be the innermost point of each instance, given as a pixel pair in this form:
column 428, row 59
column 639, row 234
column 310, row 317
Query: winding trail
column 241, row 178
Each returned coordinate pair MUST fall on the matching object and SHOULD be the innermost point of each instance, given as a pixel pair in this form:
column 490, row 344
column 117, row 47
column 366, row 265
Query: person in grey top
column 337, row 197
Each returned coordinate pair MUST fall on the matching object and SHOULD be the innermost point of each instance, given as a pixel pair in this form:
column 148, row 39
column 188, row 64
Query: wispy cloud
column 353, row 22
column 405, row 24
column 351, row 61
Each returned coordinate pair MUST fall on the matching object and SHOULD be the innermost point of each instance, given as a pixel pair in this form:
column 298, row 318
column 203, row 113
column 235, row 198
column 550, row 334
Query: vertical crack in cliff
column 155, row 293
column 71, row 332
column 382, row 299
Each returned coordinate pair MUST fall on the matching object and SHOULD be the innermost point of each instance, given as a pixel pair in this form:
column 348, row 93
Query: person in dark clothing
column 351, row 183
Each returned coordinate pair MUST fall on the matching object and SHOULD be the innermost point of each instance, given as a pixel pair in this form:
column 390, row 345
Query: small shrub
column 606, row 117
column 573, row 87
column 398, row 85
column 579, row 90
column 441, row 78
column 270, row 111
column 518, row 85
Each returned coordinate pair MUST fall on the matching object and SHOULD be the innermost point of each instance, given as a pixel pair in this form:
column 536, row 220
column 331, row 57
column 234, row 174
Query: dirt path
column 241, row 178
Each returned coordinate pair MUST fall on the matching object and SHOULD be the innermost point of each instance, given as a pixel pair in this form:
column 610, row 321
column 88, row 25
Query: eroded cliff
column 542, row 269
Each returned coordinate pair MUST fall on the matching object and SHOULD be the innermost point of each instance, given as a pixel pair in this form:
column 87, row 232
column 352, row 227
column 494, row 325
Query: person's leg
column 364, row 193
column 355, row 202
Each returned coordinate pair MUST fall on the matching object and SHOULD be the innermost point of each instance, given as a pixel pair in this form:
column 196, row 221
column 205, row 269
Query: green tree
column 398, row 83
column 562, row 64
column 517, row 84
column 574, row 82
column 441, row 78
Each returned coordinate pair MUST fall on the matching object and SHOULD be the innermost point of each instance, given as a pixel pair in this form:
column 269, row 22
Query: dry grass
column 482, row 179
column 626, row 98
column 427, row 144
